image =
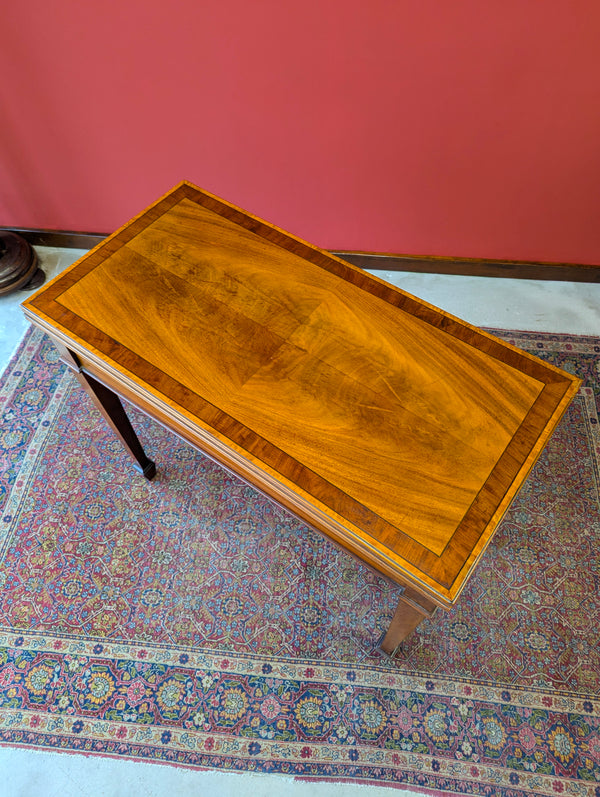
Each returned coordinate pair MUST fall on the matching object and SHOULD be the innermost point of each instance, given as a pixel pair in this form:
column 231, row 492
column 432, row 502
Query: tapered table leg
column 110, row 406
column 411, row 610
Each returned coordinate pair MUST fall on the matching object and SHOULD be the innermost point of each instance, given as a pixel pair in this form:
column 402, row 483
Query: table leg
column 411, row 610
column 110, row 406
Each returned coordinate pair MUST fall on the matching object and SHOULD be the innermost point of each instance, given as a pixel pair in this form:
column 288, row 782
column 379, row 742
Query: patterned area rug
column 190, row 621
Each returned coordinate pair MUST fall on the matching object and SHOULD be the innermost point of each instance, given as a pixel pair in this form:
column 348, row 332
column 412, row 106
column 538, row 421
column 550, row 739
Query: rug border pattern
column 318, row 760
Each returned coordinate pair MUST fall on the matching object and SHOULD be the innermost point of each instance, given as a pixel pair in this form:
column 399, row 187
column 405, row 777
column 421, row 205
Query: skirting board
column 515, row 269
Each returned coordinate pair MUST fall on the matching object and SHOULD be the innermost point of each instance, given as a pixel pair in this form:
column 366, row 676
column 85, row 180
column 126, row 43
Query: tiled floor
column 12, row 321
column 505, row 304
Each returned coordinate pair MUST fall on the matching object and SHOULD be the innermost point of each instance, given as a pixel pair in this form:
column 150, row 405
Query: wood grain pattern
column 397, row 429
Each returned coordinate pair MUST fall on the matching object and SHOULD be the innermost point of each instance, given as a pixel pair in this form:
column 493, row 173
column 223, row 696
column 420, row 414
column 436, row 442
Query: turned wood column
column 19, row 268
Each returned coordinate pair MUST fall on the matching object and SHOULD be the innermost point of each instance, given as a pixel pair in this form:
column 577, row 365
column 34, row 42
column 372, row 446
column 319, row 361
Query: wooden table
column 396, row 429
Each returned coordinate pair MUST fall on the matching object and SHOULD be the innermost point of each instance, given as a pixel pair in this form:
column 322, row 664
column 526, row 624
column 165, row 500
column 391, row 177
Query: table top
column 398, row 430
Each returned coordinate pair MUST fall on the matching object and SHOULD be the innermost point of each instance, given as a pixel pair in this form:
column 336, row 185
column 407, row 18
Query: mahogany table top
column 398, row 430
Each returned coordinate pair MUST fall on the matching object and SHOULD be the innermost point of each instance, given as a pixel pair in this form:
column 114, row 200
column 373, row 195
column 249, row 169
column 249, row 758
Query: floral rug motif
column 189, row 620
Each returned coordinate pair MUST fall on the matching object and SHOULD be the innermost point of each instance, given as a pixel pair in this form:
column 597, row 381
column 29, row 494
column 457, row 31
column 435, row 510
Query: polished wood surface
column 398, row 430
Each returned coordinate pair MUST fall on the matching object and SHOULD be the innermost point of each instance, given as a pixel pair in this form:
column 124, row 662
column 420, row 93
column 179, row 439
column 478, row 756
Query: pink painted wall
column 445, row 127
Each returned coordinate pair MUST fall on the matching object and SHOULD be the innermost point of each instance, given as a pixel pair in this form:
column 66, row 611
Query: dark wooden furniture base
column 19, row 269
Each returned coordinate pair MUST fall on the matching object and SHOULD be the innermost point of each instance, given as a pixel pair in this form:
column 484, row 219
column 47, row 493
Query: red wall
column 448, row 127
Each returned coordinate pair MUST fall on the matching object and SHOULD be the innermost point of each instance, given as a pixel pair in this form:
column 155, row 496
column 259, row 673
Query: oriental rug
column 190, row 621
